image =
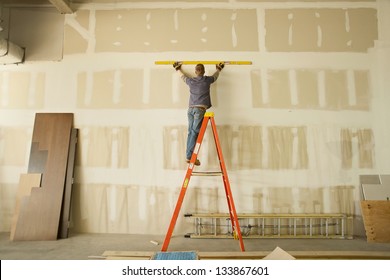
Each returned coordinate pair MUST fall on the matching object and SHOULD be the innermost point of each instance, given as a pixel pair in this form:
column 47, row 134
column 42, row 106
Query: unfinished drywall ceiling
column 297, row 127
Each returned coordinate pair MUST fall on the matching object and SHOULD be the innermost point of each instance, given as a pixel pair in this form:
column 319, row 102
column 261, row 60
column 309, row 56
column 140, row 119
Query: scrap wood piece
column 128, row 255
column 26, row 183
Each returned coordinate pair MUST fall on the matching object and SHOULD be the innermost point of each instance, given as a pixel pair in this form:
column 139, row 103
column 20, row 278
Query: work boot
column 197, row 162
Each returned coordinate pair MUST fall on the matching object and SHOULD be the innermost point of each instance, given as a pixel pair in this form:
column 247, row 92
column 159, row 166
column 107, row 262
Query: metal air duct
column 10, row 53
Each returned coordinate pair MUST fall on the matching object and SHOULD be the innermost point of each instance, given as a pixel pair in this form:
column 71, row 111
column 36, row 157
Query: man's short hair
column 199, row 68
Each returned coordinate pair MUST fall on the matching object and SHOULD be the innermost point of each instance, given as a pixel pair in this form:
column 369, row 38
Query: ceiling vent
column 10, row 53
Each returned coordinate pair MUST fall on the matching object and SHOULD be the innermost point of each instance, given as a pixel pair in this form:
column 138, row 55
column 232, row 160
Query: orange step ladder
column 209, row 116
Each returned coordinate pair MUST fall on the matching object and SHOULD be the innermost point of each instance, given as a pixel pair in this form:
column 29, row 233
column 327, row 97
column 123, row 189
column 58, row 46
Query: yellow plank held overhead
column 170, row 62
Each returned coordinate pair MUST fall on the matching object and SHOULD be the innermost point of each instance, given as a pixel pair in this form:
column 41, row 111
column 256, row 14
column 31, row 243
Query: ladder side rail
column 223, row 169
column 229, row 195
column 184, row 185
column 176, row 211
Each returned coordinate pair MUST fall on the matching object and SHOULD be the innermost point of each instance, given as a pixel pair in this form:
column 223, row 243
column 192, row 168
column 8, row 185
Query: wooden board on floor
column 376, row 218
column 128, row 255
column 255, row 255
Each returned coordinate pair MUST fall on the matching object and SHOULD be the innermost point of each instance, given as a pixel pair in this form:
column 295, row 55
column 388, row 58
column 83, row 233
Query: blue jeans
column 195, row 119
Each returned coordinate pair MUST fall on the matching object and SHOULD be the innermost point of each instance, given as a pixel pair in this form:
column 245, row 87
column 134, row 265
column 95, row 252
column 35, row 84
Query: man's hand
column 220, row 66
column 177, row 65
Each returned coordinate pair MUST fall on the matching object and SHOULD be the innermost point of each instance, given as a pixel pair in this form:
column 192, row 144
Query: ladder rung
column 207, row 173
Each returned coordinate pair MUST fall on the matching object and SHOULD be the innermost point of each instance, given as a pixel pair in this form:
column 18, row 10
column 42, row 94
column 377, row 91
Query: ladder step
column 207, row 173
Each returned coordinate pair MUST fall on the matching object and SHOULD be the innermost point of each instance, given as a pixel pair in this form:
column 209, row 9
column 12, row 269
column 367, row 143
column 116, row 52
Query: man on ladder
column 199, row 101
column 198, row 120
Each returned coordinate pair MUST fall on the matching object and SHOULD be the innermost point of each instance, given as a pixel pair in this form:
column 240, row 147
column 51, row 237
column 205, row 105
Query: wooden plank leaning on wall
column 39, row 213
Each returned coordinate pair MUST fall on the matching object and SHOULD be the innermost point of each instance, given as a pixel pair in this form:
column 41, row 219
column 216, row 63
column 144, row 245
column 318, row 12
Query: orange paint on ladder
column 209, row 116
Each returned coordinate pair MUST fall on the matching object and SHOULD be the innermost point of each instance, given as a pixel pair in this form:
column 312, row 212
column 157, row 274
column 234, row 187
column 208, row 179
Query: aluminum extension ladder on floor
column 216, row 225
column 234, row 224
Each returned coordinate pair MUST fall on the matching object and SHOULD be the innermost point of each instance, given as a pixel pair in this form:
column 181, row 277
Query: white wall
column 297, row 127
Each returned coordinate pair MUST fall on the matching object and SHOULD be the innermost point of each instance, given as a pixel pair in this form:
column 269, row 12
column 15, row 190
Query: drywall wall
column 297, row 127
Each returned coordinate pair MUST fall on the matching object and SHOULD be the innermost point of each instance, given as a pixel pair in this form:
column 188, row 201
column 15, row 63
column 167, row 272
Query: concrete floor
column 92, row 246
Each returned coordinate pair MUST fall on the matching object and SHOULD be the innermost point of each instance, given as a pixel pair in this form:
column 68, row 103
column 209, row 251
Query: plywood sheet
column 376, row 217
column 26, row 183
column 39, row 214
column 66, row 202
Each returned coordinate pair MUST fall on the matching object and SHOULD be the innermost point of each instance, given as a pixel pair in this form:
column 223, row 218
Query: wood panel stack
column 43, row 211
column 376, row 218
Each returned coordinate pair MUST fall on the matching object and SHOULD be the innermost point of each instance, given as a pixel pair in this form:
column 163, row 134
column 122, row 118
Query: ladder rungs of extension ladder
column 234, row 224
column 314, row 225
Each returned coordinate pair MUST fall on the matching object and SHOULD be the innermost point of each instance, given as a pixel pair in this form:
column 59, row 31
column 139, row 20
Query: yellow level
column 169, row 62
